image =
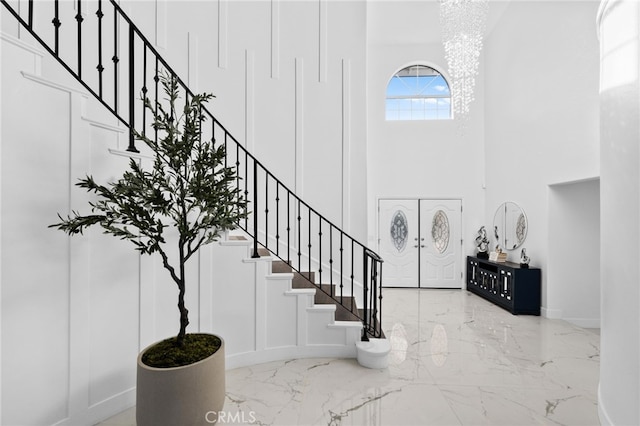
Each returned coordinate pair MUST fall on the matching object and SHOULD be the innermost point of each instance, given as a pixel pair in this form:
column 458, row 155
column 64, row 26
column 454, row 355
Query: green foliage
column 188, row 188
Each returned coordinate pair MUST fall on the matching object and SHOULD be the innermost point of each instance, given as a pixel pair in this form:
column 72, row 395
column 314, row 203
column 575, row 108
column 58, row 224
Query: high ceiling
column 414, row 21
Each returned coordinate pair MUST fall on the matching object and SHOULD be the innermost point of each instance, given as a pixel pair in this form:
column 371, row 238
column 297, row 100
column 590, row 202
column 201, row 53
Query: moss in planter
column 167, row 353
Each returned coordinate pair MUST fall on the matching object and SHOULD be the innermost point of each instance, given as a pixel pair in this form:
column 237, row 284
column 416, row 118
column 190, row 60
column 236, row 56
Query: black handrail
column 356, row 263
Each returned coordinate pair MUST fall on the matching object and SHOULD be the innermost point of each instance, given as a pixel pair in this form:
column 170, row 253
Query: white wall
column 69, row 306
column 289, row 80
column 534, row 122
column 619, row 388
column 419, row 159
column 541, row 109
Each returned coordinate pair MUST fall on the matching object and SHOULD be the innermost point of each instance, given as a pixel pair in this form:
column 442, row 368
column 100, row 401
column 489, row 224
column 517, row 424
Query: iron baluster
column 132, row 97
column 373, row 294
column 288, row 227
column 299, row 237
column 156, row 82
column 144, row 88
column 30, row 14
column 380, row 300
column 213, row 139
column 79, row 18
column 341, row 265
column 56, row 26
column 320, row 249
column 236, row 164
column 115, row 60
column 246, row 189
column 352, row 274
column 246, row 218
column 331, row 258
column 100, row 68
column 226, row 156
column 277, row 218
column 365, row 318
column 266, row 210
column 255, row 209
column 309, row 241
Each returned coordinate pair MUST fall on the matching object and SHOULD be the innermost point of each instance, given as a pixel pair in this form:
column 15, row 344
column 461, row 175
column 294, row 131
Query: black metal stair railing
column 116, row 63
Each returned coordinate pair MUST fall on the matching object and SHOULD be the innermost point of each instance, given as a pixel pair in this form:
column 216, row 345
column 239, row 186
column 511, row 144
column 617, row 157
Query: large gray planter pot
column 189, row 395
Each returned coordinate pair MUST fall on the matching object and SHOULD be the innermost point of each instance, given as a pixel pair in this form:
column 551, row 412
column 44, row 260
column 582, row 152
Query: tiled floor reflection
column 456, row 360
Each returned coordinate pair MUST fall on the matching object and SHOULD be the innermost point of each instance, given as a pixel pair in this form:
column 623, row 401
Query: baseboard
column 580, row 322
column 288, row 353
column 584, row 322
column 551, row 313
column 102, row 410
column 605, row 420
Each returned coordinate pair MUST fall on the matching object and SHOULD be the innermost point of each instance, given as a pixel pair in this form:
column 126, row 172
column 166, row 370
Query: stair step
column 237, row 238
column 322, row 296
column 280, row 267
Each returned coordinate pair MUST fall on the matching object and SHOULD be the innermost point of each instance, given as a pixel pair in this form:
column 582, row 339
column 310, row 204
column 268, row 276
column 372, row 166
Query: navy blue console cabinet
column 508, row 285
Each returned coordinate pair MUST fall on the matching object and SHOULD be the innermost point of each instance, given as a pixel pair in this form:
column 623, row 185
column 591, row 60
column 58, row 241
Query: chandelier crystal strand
column 463, row 23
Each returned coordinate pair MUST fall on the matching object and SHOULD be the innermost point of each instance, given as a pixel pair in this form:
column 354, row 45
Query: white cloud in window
column 440, row 88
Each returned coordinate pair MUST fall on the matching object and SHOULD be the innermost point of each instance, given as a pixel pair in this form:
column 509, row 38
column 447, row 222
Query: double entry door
column 420, row 242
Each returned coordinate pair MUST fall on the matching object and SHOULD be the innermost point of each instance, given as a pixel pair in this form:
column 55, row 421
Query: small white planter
column 189, row 395
column 373, row 353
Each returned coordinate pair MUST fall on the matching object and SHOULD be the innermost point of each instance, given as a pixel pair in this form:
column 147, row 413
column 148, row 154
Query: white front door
column 441, row 244
column 398, row 242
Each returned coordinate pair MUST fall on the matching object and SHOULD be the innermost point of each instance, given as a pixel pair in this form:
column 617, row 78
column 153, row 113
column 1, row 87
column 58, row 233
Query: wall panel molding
column 299, row 127
column 79, row 269
column 249, row 99
column 275, row 39
column 192, row 62
column 322, row 41
column 37, row 53
column 346, row 145
column 105, row 126
column 52, row 84
column 223, row 31
column 161, row 24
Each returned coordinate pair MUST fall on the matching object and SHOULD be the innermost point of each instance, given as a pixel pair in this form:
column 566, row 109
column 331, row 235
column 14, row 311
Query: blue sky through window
column 418, row 93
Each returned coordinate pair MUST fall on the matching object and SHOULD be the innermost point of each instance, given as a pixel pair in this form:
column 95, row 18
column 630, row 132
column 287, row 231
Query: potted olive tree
column 185, row 200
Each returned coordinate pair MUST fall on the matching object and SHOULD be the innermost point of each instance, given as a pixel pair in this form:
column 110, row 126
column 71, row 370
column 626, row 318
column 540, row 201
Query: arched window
column 418, row 92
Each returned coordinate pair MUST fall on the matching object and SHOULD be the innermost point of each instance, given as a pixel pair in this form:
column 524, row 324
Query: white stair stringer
column 262, row 318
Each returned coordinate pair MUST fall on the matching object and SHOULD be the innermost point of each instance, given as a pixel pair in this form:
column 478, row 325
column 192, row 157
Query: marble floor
column 456, row 360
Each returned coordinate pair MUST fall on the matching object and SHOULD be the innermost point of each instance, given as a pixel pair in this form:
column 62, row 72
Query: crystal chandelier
column 463, row 23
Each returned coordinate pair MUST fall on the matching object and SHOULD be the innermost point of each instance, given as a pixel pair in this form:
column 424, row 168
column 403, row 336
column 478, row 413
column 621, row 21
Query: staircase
column 322, row 297
column 335, row 278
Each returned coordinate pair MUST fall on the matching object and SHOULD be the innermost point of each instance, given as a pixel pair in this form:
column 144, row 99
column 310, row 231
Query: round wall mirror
column 510, row 226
